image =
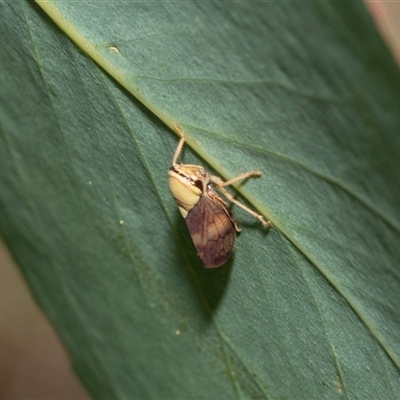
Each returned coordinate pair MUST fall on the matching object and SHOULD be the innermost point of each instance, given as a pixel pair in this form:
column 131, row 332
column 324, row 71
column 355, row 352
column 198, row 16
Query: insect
column 207, row 217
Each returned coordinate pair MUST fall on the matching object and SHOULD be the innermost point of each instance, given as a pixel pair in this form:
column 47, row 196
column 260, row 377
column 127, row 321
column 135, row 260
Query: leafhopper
column 207, row 216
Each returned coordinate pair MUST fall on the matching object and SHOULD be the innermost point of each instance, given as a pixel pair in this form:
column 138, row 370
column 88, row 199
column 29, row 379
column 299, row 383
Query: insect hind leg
column 219, row 183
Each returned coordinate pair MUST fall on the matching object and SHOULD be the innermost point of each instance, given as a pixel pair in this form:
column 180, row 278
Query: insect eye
column 198, row 184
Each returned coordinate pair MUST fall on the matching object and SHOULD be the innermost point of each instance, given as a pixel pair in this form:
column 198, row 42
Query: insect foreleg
column 178, row 150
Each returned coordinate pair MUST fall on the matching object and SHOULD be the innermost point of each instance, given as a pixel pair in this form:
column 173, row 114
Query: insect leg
column 244, row 175
column 178, row 130
column 219, row 183
column 179, row 148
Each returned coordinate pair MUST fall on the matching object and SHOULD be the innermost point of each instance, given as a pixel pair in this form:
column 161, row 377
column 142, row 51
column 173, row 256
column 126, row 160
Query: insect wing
column 212, row 231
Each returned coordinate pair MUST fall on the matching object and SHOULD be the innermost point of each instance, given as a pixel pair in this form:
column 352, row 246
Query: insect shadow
column 213, row 282
column 208, row 283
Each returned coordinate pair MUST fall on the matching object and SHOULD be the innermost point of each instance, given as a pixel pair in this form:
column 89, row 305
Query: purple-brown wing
column 212, row 231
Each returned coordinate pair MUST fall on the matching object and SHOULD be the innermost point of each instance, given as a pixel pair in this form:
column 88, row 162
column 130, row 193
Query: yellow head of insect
column 187, row 184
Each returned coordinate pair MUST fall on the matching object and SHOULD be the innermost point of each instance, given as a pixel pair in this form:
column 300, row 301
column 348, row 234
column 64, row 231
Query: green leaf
column 308, row 93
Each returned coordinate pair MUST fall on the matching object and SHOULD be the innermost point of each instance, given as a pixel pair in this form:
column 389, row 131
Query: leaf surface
column 308, row 93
